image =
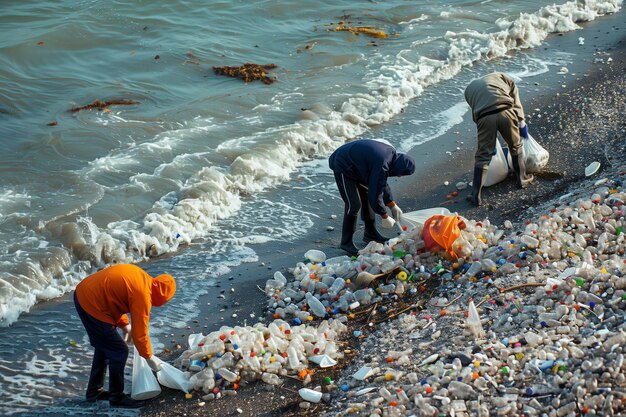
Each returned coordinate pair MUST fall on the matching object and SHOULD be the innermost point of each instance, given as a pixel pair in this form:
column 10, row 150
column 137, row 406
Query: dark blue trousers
column 109, row 348
column 355, row 198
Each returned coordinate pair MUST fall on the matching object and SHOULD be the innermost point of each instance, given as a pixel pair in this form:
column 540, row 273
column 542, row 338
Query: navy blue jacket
column 370, row 162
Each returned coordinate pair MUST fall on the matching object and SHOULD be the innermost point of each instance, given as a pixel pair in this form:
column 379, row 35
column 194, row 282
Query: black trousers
column 110, row 349
column 354, row 196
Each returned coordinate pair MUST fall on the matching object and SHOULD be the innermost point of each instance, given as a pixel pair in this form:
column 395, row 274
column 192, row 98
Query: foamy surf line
column 212, row 194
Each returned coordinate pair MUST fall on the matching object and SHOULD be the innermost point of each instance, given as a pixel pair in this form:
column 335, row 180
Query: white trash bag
column 413, row 218
column 172, row 377
column 144, row 383
column 499, row 166
column 535, row 156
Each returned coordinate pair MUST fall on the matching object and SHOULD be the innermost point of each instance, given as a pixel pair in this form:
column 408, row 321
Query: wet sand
column 584, row 122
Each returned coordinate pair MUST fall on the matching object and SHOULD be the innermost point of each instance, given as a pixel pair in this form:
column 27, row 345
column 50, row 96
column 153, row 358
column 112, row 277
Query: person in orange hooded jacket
column 103, row 300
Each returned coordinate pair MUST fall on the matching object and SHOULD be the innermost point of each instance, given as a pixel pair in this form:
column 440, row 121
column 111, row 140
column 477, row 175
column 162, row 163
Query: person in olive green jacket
column 496, row 107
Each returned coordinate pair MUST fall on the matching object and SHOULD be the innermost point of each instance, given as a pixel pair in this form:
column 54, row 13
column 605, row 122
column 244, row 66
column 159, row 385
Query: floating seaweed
column 248, row 72
column 366, row 30
column 101, row 105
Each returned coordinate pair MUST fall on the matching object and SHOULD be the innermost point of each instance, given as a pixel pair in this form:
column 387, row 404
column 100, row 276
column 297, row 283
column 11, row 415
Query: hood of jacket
column 163, row 289
column 403, row 165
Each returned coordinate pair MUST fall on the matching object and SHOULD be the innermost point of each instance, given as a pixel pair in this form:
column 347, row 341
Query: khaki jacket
column 493, row 93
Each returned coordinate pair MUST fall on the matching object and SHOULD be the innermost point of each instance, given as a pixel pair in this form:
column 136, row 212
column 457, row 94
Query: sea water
column 204, row 165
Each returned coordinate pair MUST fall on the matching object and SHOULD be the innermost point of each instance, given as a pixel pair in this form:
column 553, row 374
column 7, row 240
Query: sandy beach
column 579, row 118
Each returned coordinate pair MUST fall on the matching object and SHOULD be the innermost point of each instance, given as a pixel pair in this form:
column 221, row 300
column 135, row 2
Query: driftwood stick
column 287, row 389
column 451, row 302
column 515, row 287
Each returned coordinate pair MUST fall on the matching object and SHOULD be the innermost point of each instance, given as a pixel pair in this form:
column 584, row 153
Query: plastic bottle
column 271, row 379
column 315, row 255
column 315, row 306
column 213, row 347
column 473, row 270
column 461, row 390
column 227, row 374
column 363, row 296
column 292, row 355
column 337, row 285
column 280, row 278
column 488, row 265
column 387, row 288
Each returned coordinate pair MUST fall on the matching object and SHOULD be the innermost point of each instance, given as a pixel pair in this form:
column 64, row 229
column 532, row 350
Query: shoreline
column 504, row 202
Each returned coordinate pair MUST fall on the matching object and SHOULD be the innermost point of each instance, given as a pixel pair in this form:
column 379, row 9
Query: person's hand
column 388, row 222
column 153, row 363
column 523, row 129
column 128, row 337
column 396, row 212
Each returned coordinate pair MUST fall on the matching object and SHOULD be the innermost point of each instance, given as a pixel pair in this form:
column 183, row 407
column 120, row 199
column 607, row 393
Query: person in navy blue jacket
column 361, row 169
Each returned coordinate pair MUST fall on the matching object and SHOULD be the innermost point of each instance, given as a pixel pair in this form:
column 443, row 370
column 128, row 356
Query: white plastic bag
column 413, row 218
column 145, row 385
column 172, row 377
column 499, row 166
column 535, row 156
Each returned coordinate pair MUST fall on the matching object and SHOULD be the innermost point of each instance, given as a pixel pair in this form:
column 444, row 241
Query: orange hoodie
column 112, row 292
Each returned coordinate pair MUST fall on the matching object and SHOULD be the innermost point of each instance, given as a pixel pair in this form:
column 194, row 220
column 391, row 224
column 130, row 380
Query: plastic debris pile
column 523, row 322
column 537, row 329
column 225, row 359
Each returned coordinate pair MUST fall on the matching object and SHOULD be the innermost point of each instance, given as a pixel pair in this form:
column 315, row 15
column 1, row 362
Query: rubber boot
column 117, row 398
column 126, row 402
column 477, row 186
column 523, row 179
column 347, row 231
column 95, row 387
column 370, row 233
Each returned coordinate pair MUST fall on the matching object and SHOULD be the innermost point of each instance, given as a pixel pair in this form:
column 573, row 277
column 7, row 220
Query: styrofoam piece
column 310, row 395
column 363, row 373
column 592, row 168
column 324, row 361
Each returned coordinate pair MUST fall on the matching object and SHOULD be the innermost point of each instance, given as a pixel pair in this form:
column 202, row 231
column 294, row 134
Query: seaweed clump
column 248, row 72
column 101, row 105
column 366, row 30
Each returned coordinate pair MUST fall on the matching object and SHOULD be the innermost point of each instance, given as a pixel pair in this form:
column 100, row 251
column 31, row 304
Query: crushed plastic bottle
column 315, row 305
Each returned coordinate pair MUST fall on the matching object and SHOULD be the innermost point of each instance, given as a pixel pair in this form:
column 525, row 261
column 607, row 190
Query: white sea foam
column 213, row 193
column 443, row 122
column 12, row 201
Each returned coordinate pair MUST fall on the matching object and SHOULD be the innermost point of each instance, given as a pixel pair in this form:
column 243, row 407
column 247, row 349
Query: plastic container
column 310, row 395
